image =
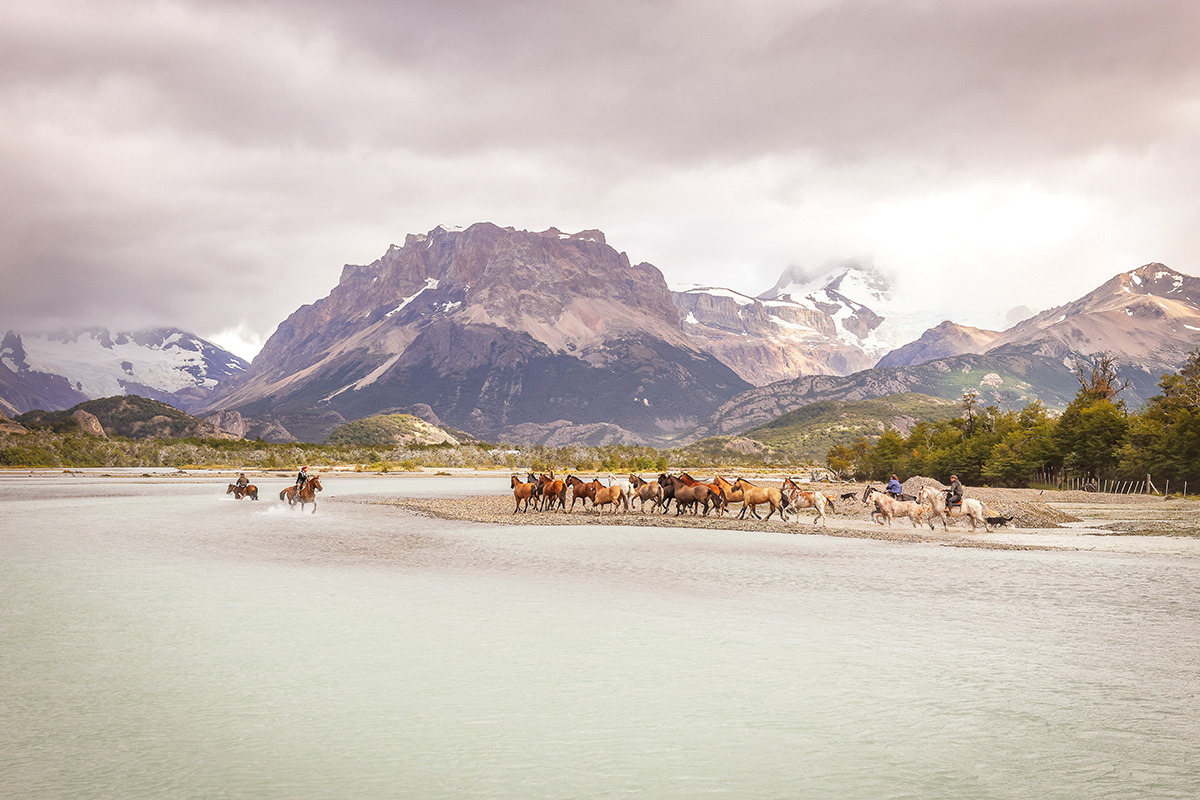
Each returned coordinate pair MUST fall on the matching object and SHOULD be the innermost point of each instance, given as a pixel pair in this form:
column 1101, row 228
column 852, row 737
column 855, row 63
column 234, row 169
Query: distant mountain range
column 57, row 370
column 1148, row 318
column 553, row 338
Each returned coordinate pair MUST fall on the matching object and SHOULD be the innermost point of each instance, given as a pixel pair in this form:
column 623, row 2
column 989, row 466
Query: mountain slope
column 768, row 340
column 130, row 416
column 1148, row 318
column 493, row 328
column 56, row 370
column 947, row 339
column 809, row 431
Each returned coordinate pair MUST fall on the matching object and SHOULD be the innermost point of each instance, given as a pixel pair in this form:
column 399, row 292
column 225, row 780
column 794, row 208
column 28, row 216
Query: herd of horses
column 547, row 492
column 292, row 495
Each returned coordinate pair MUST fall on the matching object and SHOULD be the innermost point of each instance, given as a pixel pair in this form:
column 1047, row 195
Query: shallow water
column 163, row 640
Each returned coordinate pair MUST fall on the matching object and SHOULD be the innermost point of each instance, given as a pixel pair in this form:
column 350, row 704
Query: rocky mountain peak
column 565, row 290
column 493, row 328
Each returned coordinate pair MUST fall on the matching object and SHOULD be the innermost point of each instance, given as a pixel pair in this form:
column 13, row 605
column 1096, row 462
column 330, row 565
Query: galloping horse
column 604, row 495
column 801, row 498
column 523, row 492
column 870, row 490
column 552, row 489
column 970, row 508
column 238, row 492
column 645, row 490
column 581, row 491
column 307, row 494
column 754, row 496
column 714, row 486
column 687, row 496
column 888, row 507
column 731, row 494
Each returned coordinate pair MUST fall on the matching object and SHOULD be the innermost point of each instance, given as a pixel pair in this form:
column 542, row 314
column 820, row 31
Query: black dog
column 999, row 521
column 849, row 495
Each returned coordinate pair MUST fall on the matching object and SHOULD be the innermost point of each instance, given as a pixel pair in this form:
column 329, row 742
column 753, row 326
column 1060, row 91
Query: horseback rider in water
column 894, row 488
column 242, row 480
column 301, row 478
column 954, row 495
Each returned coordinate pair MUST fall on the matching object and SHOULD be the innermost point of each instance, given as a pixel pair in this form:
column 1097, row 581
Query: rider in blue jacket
column 894, row 488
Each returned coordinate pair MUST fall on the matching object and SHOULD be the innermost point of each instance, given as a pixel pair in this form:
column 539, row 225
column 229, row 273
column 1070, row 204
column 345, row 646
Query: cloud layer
column 212, row 165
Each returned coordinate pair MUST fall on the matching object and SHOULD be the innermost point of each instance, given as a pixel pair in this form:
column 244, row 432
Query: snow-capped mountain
column 834, row 321
column 57, row 370
column 1148, row 319
column 864, row 303
column 773, row 339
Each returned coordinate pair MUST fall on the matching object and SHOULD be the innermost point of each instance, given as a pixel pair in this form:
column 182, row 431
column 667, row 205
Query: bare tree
column 1100, row 379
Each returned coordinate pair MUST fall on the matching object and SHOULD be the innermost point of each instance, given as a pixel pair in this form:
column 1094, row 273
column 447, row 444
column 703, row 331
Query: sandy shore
column 1042, row 520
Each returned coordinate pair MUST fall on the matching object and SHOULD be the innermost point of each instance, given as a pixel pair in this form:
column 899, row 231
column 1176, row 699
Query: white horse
column 970, row 508
column 799, row 498
column 888, row 508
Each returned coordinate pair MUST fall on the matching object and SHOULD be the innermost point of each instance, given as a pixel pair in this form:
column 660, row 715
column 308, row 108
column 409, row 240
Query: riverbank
column 1041, row 520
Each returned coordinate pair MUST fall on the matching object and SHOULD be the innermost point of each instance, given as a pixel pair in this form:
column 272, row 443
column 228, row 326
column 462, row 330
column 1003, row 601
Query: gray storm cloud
column 212, row 165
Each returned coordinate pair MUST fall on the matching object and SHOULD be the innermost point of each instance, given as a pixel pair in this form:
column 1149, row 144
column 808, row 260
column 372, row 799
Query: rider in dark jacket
column 242, row 480
column 301, row 478
column 954, row 495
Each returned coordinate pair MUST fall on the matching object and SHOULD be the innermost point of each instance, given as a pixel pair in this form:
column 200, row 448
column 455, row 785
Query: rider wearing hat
column 242, row 480
column 302, row 478
column 954, row 495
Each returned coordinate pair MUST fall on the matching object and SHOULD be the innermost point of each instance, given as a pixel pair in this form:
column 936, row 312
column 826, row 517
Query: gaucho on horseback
column 954, row 495
column 301, row 478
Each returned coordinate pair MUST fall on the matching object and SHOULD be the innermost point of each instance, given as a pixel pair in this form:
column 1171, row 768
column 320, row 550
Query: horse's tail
column 784, row 501
column 829, row 500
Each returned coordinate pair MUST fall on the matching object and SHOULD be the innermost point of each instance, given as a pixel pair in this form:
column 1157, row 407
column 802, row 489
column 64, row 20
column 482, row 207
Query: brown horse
column 719, row 499
column 604, row 495
column 581, row 491
column 552, row 489
column 687, row 496
column 645, row 490
column 523, row 492
column 306, row 494
column 801, row 498
column 731, row 495
column 238, row 492
column 754, row 496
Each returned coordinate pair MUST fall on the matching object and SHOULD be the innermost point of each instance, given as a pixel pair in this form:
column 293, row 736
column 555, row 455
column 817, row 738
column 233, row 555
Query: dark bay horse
column 687, row 496
column 307, row 494
column 719, row 498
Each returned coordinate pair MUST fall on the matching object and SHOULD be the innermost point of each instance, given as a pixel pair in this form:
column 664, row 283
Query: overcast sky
column 212, row 164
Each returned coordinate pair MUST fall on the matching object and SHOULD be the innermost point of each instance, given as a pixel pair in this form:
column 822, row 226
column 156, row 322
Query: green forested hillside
column 130, row 416
column 808, row 432
column 389, row 430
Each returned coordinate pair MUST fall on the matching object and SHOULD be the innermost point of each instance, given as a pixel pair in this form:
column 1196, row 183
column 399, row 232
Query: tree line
column 1096, row 437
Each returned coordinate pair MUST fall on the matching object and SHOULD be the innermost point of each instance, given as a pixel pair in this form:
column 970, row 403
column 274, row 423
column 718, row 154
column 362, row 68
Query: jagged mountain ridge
column 768, row 340
column 1148, row 318
column 493, row 328
column 53, row 371
column 945, row 340
column 834, row 321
